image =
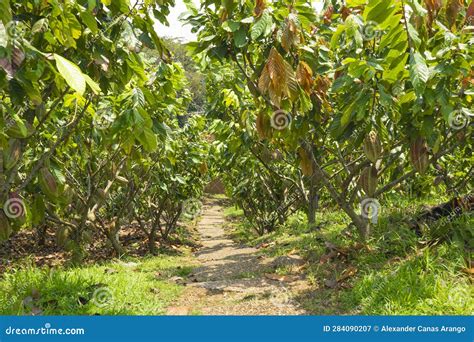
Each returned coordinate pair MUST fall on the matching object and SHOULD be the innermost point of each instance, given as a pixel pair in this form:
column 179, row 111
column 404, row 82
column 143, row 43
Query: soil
column 234, row 279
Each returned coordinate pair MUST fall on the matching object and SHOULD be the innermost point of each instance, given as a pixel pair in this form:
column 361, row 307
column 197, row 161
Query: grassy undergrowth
column 395, row 273
column 120, row 287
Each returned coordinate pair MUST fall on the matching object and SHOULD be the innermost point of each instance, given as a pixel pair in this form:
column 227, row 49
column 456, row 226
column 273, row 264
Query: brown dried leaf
column 452, row 9
column 347, row 273
column 260, row 6
column 469, row 271
column 304, row 76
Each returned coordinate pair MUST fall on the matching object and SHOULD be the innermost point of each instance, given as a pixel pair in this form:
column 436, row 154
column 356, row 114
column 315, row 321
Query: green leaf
column 39, row 25
column 148, row 140
column 92, row 84
column 38, row 210
column 355, row 3
column 414, row 35
column 230, row 26
column 335, row 37
column 419, row 72
column 240, row 38
column 416, row 6
column 262, row 26
column 91, row 4
column 71, row 73
column 378, row 11
column 90, row 21
column 5, row 12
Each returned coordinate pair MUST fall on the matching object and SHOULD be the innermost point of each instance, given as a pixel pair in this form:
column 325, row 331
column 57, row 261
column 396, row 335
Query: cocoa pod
column 12, row 154
column 368, row 180
column 263, row 126
column 48, row 184
column 67, row 194
column 5, row 228
column 419, row 155
column 372, row 147
column 306, row 164
column 18, row 56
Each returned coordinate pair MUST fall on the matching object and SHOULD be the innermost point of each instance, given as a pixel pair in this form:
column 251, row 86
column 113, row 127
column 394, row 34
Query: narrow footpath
column 232, row 279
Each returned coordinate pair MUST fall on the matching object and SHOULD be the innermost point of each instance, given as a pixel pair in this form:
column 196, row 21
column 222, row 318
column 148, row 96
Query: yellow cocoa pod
column 306, row 163
column 368, row 180
column 419, row 155
column 48, row 184
column 12, row 154
column 263, row 126
column 372, row 147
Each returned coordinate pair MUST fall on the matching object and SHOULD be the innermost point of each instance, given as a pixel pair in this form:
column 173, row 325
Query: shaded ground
column 23, row 248
column 233, row 279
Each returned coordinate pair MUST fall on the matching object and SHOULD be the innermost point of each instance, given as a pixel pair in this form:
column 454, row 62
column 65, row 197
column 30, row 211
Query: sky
column 183, row 32
column 176, row 28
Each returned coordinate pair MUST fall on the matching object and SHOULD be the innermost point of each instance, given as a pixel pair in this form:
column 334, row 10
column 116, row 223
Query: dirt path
column 231, row 278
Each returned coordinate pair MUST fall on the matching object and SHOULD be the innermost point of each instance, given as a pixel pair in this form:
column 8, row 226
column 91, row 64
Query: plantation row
column 303, row 110
column 367, row 99
column 89, row 135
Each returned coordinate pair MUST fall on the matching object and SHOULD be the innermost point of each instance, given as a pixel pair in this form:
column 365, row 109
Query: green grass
column 427, row 283
column 131, row 287
column 233, row 212
column 397, row 271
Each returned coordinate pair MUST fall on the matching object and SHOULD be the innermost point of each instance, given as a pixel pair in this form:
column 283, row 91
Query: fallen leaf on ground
column 347, row 273
column 468, row 270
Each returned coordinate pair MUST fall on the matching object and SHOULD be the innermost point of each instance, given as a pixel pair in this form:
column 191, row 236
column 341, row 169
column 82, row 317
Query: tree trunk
column 41, row 234
column 313, row 203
